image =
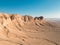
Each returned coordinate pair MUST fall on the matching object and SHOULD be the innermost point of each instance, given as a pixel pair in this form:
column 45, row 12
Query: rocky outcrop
column 22, row 30
column 39, row 18
column 20, row 19
column 28, row 18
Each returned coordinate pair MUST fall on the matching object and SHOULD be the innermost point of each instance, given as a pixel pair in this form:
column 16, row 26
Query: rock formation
column 24, row 30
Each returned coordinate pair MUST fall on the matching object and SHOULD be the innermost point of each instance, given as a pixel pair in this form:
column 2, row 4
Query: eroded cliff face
column 24, row 30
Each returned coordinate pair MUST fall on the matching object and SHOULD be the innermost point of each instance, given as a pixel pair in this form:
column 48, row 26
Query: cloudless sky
column 46, row 8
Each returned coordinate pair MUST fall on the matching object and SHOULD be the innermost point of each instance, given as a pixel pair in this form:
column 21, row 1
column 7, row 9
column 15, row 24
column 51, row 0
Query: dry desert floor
column 26, row 30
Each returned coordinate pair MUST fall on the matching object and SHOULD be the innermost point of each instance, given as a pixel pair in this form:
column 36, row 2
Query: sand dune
column 26, row 30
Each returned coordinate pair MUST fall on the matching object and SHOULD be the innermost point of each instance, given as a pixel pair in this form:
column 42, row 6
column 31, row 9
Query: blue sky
column 46, row 8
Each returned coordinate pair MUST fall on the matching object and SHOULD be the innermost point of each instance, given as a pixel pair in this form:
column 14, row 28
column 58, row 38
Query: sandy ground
column 15, row 31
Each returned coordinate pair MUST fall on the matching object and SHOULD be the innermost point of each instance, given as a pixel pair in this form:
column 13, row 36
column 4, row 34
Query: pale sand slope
column 26, row 30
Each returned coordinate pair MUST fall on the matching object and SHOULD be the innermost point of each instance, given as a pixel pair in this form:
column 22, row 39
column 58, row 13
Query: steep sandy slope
column 26, row 30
